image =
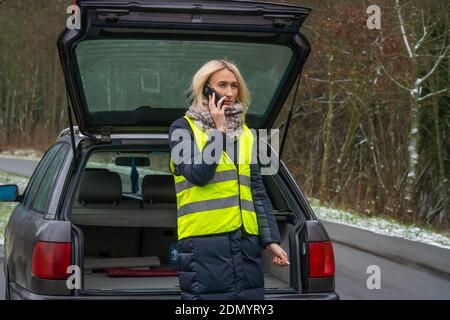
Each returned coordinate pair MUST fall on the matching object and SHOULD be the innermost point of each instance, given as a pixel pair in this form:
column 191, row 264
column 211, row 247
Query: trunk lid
column 128, row 67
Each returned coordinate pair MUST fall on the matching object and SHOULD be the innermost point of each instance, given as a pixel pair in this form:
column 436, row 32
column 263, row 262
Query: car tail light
column 321, row 259
column 51, row 259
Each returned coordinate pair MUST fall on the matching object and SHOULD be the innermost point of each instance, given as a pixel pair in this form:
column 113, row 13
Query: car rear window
column 123, row 75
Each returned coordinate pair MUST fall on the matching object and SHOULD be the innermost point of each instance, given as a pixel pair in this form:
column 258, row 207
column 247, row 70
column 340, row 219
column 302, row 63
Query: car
column 98, row 216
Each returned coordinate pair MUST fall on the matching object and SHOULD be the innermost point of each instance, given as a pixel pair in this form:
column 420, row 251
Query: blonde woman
column 224, row 214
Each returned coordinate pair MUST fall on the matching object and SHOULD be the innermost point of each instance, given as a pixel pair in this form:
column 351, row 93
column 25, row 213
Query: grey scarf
column 233, row 114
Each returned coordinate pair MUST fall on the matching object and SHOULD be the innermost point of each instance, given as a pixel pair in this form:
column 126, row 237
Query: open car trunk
column 136, row 259
column 139, row 249
column 126, row 238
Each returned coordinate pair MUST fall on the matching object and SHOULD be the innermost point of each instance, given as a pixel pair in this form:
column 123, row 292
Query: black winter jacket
column 223, row 266
column 201, row 174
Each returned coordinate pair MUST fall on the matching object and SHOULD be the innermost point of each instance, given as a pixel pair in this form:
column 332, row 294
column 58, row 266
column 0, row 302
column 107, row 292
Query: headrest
column 158, row 189
column 100, row 186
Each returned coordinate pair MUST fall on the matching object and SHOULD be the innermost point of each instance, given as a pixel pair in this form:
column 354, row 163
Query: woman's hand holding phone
column 217, row 112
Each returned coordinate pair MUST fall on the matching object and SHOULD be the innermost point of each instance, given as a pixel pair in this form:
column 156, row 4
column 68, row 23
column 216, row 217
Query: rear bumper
column 304, row 296
column 20, row 293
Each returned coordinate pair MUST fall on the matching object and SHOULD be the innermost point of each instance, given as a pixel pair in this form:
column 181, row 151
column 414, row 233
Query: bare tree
column 413, row 46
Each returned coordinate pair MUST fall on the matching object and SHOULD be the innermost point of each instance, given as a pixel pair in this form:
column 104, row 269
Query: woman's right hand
column 279, row 256
column 218, row 112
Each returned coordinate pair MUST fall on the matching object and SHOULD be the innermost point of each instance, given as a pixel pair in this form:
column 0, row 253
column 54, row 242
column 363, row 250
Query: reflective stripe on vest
column 226, row 202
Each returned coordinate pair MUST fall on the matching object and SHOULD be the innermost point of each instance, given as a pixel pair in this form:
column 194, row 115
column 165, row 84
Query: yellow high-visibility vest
column 226, row 202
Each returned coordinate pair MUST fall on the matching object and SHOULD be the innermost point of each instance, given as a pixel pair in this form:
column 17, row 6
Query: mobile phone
column 208, row 91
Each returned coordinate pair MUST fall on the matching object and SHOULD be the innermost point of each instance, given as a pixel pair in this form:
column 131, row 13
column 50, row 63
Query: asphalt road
column 18, row 166
column 397, row 280
column 407, row 269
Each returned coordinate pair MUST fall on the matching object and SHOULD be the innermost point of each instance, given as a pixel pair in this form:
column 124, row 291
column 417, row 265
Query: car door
column 29, row 221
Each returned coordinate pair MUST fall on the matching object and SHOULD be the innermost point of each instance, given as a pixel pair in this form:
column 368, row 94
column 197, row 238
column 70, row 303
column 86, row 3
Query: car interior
column 127, row 235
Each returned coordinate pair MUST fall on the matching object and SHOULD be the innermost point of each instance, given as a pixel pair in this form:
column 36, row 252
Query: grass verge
column 6, row 208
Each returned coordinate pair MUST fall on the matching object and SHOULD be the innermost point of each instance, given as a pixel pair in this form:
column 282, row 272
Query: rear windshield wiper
column 142, row 108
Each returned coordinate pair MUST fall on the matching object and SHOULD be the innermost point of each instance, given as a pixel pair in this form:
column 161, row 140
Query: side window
column 49, row 180
column 36, row 179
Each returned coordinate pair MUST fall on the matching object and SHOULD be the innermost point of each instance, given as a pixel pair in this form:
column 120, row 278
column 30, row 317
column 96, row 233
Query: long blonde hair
column 201, row 77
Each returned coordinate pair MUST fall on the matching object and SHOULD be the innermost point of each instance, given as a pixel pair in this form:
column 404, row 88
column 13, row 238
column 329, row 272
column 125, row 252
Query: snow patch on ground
column 20, row 181
column 27, row 154
column 380, row 226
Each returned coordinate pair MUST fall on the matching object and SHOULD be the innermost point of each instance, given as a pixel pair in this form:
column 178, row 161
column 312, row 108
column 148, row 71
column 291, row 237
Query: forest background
column 370, row 129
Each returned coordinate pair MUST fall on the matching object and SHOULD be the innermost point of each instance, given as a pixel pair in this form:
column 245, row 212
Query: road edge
column 432, row 258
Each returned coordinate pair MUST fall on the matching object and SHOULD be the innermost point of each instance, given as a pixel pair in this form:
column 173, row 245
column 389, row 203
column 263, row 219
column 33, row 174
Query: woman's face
column 225, row 83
